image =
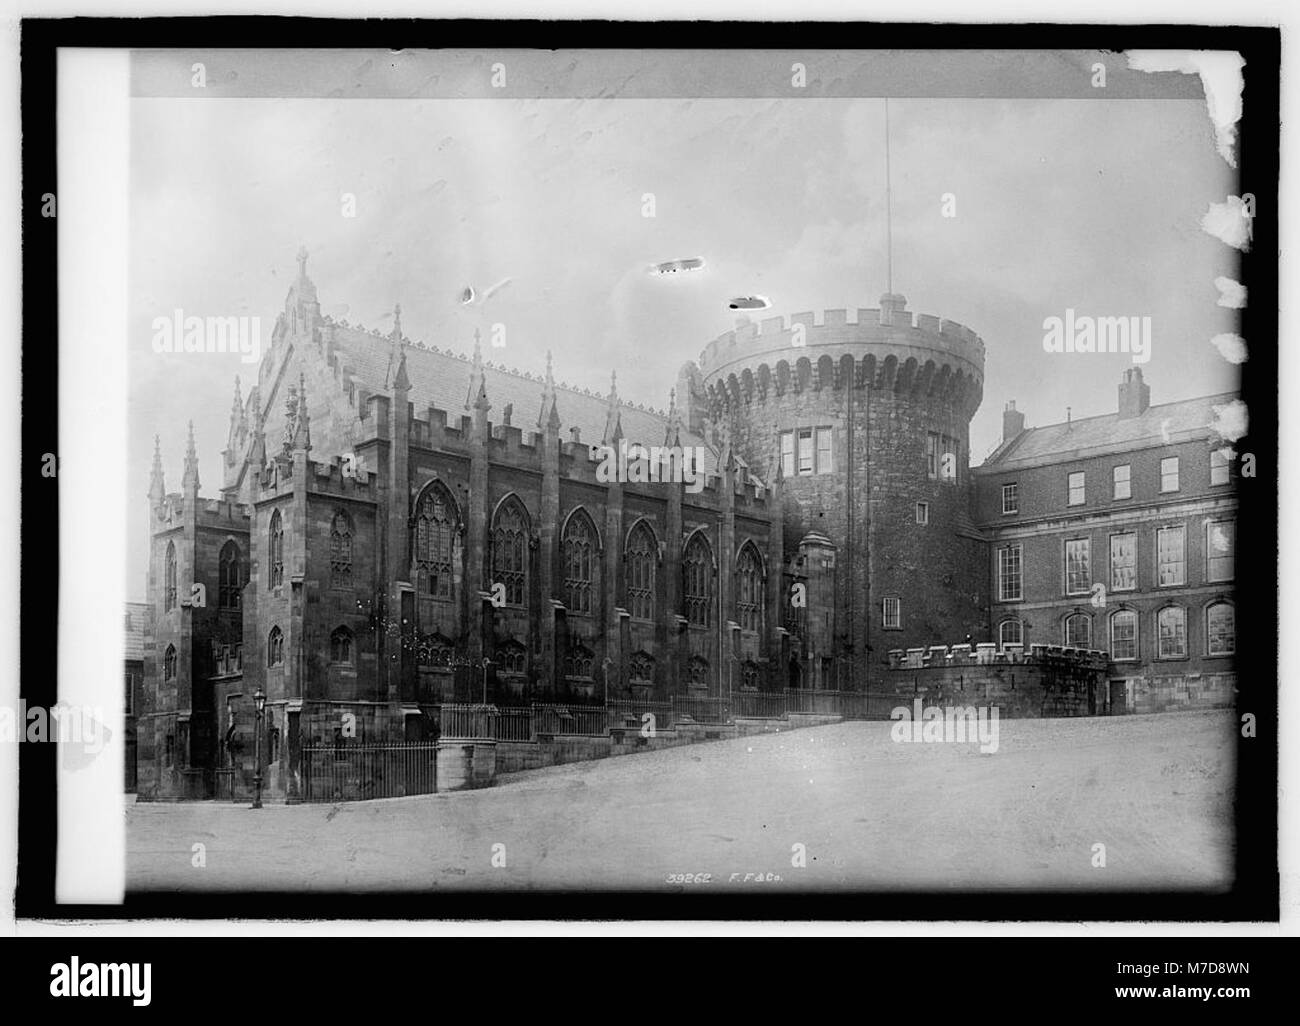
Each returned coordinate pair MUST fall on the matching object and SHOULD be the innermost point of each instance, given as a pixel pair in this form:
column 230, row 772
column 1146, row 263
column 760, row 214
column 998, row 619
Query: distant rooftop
column 1180, row 421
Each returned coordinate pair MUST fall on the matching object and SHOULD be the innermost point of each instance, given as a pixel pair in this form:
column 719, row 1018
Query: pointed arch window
column 580, row 563
column 749, row 675
column 697, row 671
column 341, row 551
column 643, row 668
column 229, row 576
column 697, row 580
column 169, row 578
column 510, row 551
column 275, row 550
column 512, row 660
column 169, row 663
column 435, row 527
column 579, row 663
column 341, row 647
column 749, row 589
column 275, row 647
column 642, row 558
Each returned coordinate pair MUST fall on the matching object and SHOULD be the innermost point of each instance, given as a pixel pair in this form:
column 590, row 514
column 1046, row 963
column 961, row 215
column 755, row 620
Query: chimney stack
column 1013, row 422
column 1134, row 394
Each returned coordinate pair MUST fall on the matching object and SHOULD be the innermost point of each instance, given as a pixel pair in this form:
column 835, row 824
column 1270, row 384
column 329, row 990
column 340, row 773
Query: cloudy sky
column 1090, row 204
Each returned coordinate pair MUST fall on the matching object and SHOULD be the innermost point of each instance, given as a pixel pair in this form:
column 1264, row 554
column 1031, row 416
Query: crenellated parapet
column 887, row 349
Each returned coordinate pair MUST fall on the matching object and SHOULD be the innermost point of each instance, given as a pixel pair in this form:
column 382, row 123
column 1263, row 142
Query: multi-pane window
column 824, row 450
column 169, row 578
column 579, row 663
column 229, row 583
column 697, row 578
column 749, row 589
column 1078, row 630
column 434, row 531
column 892, row 613
column 169, row 663
column 697, row 671
column 512, row 660
column 1120, row 482
column 642, row 668
column 1078, row 566
column 1171, row 632
column 1220, row 550
column 1220, row 629
column 1011, row 632
column 1011, row 497
column 787, row 453
column 1169, row 474
column 510, row 552
column 341, row 551
column 275, row 550
column 1220, row 471
column 1123, row 635
column 1171, row 556
column 1009, row 573
column 579, row 563
column 341, row 647
column 1075, row 483
column 922, row 513
column 275, row 647
column 642, row 559
column 805, row 451
column 1123, row 562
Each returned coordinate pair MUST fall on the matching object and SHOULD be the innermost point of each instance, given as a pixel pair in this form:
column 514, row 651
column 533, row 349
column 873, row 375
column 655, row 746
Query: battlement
column 925, row 337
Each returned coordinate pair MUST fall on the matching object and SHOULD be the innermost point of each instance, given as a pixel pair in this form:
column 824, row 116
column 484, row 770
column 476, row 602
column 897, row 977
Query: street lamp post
column 259, row 703
column 605, row 667
column 486, row 663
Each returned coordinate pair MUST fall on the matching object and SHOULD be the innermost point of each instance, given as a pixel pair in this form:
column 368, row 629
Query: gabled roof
column 135, row 615
column 441, row 378
column 1181, row 421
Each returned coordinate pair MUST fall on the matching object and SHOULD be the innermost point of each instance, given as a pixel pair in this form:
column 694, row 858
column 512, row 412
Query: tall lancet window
column 229, row 576
column 642, row 559
column 697, row 580
column 169, row 578
column 580, row 563
column 276, row 550
column 510, row 551
column 341, row 551
column 749, row 589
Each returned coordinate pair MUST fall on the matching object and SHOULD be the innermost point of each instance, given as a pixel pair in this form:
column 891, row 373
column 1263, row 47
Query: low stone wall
column 1182, row 691
column 1049, row 682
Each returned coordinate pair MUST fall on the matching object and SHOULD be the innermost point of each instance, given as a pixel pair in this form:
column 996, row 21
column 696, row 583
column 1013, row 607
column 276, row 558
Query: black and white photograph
column 633, row 491
column 609, row 474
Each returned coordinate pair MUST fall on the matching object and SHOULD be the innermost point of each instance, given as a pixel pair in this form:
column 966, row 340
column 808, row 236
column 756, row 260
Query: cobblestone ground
column 870, row 813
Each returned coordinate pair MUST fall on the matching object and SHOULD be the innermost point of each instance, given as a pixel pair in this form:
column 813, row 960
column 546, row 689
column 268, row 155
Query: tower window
column 823, row 450
column 892, row 614
column 922, row 513
column 169, row 578
column 805, row 451
column 229, row 576
column 341, row 647
column 169, row 663
column 341, row 552
column 276, row 550
column 275, row 647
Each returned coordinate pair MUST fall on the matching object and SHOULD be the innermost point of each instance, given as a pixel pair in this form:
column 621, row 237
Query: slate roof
column 442, row 379
column 1088, row 436
column 135, row 614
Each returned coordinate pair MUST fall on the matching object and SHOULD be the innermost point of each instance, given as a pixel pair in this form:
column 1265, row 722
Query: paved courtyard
column 869, row 813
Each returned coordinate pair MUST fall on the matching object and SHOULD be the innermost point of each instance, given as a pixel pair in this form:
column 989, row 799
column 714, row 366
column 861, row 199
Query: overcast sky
column 1090, row 204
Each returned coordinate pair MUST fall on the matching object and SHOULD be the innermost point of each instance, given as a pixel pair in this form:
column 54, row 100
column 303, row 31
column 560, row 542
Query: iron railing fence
column 352, row 770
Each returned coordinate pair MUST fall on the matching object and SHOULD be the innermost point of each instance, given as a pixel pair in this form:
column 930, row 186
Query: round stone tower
column 868, row 422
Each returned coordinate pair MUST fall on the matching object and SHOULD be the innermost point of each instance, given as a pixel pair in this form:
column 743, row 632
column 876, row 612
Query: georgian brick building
column 400, row 526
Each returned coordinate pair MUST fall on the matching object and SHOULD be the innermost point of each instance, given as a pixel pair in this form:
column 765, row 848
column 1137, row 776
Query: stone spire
column 157, row 489
column 613, row 421
column 674, row 433
column 477, row 397
column 238, row 423
column 550, row 415
column 302, row 435
column 395, row 377
column 190, row 480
